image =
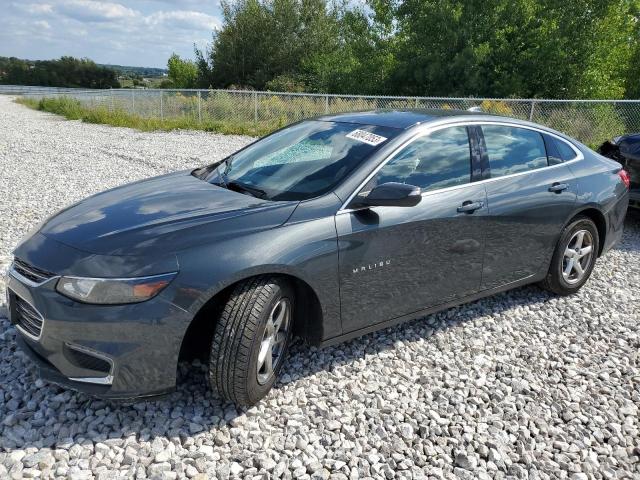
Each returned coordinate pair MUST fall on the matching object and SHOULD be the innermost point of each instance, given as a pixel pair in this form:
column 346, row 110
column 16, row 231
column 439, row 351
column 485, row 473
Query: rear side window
column 439, row 160
column 553, row 154
column 513, row 150
column 566, row 152
column 558, row 150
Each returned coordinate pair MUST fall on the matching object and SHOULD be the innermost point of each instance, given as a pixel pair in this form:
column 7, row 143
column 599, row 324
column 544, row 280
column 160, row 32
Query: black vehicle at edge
column 626, row 150
column 330, row 228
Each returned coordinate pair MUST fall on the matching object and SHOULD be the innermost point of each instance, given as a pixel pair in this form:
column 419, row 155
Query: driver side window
column 438, row 160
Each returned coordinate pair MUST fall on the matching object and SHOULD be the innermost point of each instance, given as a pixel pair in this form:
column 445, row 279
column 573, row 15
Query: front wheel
column 251, row 340
column 574, row 257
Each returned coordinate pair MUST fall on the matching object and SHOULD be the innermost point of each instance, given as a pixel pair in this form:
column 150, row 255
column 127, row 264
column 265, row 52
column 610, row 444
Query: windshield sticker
column 366, row 137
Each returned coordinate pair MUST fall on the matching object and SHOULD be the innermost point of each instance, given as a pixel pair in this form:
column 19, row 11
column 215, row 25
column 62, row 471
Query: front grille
column 30, row 272
column 86, row 360
column 28, row 318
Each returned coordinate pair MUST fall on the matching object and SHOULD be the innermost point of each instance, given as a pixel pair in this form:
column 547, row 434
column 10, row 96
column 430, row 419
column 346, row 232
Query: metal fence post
column 133, row 101
column 255, row 112
column 326, row 104
column 533, row 106
column 199, row 108
column 111, row 104
column 161, row 106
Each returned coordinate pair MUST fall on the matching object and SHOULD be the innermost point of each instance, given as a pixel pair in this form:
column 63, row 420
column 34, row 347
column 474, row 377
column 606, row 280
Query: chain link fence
column 590, row 121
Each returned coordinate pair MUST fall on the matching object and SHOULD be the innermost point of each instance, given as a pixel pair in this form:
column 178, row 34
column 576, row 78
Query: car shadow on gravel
column 38, row 414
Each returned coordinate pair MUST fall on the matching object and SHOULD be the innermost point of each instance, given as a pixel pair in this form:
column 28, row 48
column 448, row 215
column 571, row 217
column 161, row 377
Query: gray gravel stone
column 468, row 462
column 520, row 385
column 40, row 459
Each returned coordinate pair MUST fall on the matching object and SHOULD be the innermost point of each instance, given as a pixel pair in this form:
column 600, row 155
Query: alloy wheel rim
column 577, row 257
column 274, row 339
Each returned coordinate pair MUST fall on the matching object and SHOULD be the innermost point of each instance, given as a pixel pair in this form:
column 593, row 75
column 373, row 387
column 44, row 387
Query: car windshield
column 300, row 162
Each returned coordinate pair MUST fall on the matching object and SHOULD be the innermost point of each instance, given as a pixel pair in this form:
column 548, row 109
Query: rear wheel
column 574, row 257
column 251, row 339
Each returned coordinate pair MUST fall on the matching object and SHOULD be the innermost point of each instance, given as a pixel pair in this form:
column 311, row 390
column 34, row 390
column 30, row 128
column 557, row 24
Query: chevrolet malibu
column 327, row 229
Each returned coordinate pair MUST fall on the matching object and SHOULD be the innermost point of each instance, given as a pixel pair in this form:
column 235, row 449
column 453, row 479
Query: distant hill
column 127, row 71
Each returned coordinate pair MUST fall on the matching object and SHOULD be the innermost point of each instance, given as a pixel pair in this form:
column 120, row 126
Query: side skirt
column 429, row 311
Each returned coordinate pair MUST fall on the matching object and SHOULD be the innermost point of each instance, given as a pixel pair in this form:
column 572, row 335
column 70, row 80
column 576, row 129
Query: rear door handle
column 558, row 187
column 470, row 207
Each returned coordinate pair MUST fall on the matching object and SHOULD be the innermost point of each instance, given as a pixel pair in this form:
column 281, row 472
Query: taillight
column 624, row 176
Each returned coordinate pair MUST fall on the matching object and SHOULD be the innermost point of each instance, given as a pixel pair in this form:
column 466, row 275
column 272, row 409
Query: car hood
column 167, row 213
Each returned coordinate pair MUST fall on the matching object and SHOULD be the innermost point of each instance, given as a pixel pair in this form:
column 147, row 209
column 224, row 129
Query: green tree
column 361, row 61
column 546, row 48
column 64, row 72
column 632, row 82
column 182, row 73
column 262, row 40
column 632, row 89
column 496, row 48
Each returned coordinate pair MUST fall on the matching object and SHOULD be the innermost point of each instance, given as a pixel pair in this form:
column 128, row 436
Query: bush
column 286, row 83
column 592, row 124
column 73, row 109
column 496, row 107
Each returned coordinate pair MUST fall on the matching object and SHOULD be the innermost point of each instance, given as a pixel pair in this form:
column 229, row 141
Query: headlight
column 112, row 291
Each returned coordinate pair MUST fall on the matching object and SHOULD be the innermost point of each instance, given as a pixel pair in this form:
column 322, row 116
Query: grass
column 259, row 113
column 72, row 109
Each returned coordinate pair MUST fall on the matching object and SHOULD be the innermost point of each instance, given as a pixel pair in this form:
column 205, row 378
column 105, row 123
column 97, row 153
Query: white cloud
column 42, row 24
column 202, row 4
column 125, row 32
column 34, row 8
column 185, row 19
column 95, row 11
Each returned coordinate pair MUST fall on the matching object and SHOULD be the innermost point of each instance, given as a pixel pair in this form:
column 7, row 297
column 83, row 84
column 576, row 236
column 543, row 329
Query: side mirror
column 389, row 194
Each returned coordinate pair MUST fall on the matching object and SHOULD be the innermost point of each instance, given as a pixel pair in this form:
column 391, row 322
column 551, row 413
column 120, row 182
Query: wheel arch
column 600, row 221
column 308, row 314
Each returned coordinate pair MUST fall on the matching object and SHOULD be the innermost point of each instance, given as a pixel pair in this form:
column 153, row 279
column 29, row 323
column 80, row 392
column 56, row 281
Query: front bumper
column 140, row 343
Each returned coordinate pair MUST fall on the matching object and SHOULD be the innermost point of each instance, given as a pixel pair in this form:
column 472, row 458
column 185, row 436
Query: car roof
column 409, row 118
column 403, row 119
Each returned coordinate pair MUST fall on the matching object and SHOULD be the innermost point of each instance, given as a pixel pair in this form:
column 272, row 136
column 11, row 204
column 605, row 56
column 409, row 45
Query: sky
column 136, row 33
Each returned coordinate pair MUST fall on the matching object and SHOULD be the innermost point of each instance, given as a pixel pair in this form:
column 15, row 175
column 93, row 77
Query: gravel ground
column 520, row 385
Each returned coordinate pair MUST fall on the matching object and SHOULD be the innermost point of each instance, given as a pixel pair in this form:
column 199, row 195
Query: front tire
column 574, row 257
column 251, row 340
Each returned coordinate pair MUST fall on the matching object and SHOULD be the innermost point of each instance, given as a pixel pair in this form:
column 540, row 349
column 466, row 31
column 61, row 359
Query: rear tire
column 574, row 257
column 251, row 340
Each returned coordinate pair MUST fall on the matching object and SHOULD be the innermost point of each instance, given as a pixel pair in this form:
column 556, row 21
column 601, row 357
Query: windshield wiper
column 232, row 184
column 204, row 172
column 241, row 187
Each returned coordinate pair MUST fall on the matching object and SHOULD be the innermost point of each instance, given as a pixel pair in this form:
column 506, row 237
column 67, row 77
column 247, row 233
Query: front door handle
column 558, row 187
column 470, row 207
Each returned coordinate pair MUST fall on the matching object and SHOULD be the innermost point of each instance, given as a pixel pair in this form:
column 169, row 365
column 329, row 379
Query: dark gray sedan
column 329, row 228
